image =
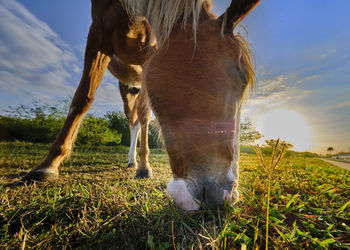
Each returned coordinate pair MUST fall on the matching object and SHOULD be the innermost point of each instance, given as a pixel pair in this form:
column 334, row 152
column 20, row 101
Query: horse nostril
column 217, row 197
column 203, row 198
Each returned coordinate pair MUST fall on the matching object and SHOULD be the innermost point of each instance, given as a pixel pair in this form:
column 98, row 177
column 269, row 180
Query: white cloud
column 108, row 93
column 343, row 104
column 280, row 91
column 37, row 64
column 308, row 78
column 267, row 87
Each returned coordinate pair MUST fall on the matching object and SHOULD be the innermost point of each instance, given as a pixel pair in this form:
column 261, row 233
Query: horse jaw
column 182, row 198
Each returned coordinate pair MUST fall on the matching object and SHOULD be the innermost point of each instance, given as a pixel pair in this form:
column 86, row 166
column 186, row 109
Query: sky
column 301, row 50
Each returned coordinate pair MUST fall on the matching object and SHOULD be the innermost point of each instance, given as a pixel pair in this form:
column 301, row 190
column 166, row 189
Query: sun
column 288, row 125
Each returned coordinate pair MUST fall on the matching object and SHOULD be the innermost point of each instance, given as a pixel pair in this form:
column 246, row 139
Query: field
column 97, row 204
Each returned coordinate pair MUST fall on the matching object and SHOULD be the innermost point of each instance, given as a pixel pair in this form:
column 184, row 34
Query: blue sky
column 301, row 52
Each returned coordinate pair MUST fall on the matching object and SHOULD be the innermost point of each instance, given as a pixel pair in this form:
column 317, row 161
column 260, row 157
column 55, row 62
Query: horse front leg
column 130, row 97
column 144, row 114
column 95, row 64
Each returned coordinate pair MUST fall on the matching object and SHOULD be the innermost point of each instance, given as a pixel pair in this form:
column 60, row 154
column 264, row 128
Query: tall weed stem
column 269, row 168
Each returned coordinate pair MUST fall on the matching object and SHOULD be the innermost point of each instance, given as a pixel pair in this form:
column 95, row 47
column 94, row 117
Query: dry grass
column 97, row 204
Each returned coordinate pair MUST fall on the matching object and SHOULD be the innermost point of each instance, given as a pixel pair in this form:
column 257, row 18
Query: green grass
column 98, row 204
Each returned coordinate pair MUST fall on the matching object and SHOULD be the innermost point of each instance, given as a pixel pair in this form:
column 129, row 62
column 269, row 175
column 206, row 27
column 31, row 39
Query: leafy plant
column 40, row 122
column 118, row 121
column 95, row 131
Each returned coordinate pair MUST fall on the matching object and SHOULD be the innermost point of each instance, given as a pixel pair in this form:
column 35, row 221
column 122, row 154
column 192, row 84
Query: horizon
column 300, row 48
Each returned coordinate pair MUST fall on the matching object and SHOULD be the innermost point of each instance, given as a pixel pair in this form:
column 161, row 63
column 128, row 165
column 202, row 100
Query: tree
column 37, row 122
column 248, row 132
column 96, row 131
column 271, row 143
column 118, row 121
column 330, row 150
column 267, row 149
column 40, row 122
column 37, row 109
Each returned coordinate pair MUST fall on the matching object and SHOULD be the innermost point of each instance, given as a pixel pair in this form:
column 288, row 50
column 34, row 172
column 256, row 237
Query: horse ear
column 238, row 10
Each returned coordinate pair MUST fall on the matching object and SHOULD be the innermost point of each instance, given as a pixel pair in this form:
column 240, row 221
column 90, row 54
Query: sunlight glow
column 287, row 125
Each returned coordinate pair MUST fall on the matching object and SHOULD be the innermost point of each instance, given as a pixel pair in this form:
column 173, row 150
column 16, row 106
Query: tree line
column 40, row 123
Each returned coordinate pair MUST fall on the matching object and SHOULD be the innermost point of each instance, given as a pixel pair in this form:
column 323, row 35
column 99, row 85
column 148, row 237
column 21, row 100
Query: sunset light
column 288, row 125
column 182, row 124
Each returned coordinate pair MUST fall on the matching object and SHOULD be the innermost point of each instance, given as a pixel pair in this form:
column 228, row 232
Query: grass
column 98, row 204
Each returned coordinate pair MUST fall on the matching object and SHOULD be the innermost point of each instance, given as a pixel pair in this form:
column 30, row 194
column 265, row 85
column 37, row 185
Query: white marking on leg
column 134, row 133
column 182, row 198
column 46, row 171
column 71, row 110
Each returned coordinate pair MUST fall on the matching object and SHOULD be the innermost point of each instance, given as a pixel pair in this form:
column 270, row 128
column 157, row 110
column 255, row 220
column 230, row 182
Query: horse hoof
column 143, row 173
column 37, row 175
column 132, row 165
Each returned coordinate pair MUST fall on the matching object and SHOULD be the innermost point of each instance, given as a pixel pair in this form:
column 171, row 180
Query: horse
column 122, row 45
column 194, row 74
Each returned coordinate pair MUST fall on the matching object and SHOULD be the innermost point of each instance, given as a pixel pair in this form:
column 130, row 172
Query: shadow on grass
column 95, row 217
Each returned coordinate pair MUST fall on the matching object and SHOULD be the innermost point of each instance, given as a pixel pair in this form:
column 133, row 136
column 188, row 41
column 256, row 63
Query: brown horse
column 122, row 45
column 195, row 81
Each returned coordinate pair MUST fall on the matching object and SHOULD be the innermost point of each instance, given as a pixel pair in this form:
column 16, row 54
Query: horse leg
column 130, row 97
column 144, row 114
column 95, row 64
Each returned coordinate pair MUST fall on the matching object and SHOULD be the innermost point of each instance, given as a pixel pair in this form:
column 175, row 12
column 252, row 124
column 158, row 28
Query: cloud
column 268, row 87
column 308, row 78
column 281, row 90
column 343, row 104
column 107, row 95
column 37, row 64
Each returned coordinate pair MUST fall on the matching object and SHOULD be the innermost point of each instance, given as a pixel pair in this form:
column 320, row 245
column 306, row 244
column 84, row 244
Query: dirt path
column 340, row 164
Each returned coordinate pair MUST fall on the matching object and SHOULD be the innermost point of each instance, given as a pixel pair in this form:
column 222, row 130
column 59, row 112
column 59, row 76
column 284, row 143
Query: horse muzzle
column 190, row 196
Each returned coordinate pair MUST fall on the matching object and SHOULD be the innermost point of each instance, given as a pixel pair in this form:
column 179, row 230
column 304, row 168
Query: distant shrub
column 248, row 149
column 41, row 123
column 95, row 131
column 118, row 121
column 39, row 129
column 308, row 154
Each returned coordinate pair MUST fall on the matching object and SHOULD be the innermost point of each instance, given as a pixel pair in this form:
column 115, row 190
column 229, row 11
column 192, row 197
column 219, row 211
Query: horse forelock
column 163, row 15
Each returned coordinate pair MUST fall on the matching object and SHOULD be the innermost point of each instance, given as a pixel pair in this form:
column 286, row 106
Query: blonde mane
column 245, row 63
column 163, row 15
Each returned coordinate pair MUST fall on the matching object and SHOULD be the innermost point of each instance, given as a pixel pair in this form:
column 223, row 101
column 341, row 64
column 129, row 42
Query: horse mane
column 245, row 63
column 163, row 15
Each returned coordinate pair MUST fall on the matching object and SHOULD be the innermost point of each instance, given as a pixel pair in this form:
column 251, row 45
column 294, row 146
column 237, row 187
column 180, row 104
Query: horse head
column 196, row 83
